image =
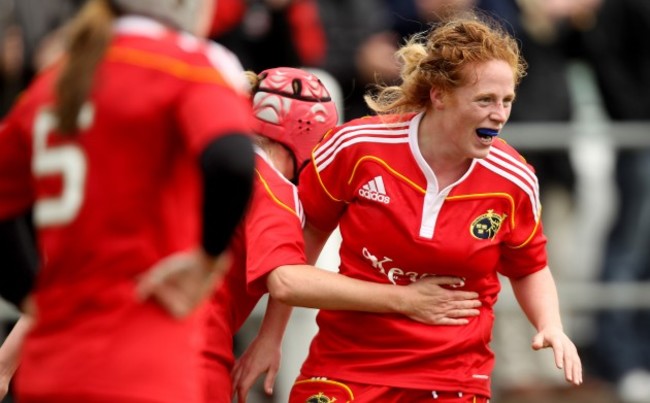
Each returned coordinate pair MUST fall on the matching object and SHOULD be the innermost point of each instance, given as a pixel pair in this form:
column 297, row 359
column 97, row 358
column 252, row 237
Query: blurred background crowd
column 581, row 118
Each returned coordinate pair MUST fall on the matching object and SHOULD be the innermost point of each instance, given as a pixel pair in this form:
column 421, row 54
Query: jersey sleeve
column 273, row 228
column 16, row 192
column 208, row 111
column 323, row 186
column 216, row 102
column 524, row 250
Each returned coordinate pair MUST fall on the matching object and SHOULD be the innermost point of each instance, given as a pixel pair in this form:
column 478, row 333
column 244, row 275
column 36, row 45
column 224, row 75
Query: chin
column 481, row 153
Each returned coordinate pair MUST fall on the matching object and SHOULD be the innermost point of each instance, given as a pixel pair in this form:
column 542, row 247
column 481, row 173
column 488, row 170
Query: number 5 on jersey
column 68, row 161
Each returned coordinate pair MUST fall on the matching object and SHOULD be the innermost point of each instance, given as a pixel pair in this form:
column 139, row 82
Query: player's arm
column 19, row 259
column 228, row 166
column 425, row 300
column 180, row 281
column 9, row 352
column 264, row 353
column 315, row 240
column 537, row 295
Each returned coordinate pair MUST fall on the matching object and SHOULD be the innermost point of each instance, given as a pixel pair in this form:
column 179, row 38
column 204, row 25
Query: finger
column 146, row 284
column 161, row 273
column 573, row 366
column 445, row 280
column 577, row 377
column 573, row 371
column 463, row 313
column 450, row 322
column 269, row 381
column 173, row 300
column 469, row 296
column 241, row 396
column 558, row 353
column 568, row 369
column 242, row 390
column 236, row 375
column 222, row 264
column 466, row 304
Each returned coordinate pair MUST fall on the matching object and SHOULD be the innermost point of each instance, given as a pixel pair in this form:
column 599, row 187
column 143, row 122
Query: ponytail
column 89, row 36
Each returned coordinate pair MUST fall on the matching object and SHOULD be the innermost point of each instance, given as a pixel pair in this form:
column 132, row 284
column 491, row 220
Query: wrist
column 7, row 371
column 397, row 299
column 214, row 264
column 550, row 327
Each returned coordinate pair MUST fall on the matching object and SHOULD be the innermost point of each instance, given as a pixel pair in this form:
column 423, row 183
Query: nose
column 500, row 113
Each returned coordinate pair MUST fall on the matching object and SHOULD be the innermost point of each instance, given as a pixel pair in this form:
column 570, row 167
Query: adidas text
column 372, row 195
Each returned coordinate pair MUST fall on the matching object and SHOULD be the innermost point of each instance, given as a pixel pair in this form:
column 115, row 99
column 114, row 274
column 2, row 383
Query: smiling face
column 483, row 102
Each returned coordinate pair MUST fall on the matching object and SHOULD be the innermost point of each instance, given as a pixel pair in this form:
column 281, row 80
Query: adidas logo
column 375, row 190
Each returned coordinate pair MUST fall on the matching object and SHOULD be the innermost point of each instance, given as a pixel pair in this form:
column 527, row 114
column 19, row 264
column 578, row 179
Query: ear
column 437, row 98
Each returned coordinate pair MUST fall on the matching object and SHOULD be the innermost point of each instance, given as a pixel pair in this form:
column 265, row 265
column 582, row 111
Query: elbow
column 280, row 285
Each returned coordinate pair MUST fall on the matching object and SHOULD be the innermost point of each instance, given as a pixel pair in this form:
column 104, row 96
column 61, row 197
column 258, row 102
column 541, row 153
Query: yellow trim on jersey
column 328, row 381
column 532, row 234
column 391, row 170
column 487, row 195
column 165, row 64
column 322, row 185
column 270, row 192
column 512, row 212
column 521, row 157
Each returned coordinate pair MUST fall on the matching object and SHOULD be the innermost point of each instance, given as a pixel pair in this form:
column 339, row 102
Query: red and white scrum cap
column 294, row 108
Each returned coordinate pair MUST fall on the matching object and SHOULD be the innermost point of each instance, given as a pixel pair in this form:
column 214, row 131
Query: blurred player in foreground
column 133, row 152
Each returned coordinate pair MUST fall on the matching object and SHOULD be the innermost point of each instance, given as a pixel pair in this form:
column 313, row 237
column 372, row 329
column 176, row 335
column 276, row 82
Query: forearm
column 275, row 320
column 10, row 349
column 538, row 298
column 311, row 287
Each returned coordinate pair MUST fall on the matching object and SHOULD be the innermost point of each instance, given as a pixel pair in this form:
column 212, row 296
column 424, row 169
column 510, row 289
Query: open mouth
column 486, row 135
column 485, row 132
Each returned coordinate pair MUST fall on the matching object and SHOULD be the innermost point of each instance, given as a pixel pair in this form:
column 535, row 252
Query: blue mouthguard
column 487, row 132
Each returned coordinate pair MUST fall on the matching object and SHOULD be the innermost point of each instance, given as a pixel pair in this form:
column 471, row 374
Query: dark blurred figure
column 11, row 55
column 359, row 44
column 621, row 60
column 30, row 39
column 548, row 43
column 269, row 33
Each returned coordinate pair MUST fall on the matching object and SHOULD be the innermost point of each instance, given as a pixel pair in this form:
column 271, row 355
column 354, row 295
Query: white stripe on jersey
column 522, row 169
column 525, row 185
column 299, row 211
column 297, row 204
column 361, row 140
column 324, row 155
column 336, row 137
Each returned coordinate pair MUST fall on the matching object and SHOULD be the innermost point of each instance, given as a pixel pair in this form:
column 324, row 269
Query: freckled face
column 485, row 101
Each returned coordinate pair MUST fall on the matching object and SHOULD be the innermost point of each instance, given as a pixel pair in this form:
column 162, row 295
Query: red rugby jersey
column 111, row 202
column 397, row 226
column 270, row 236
